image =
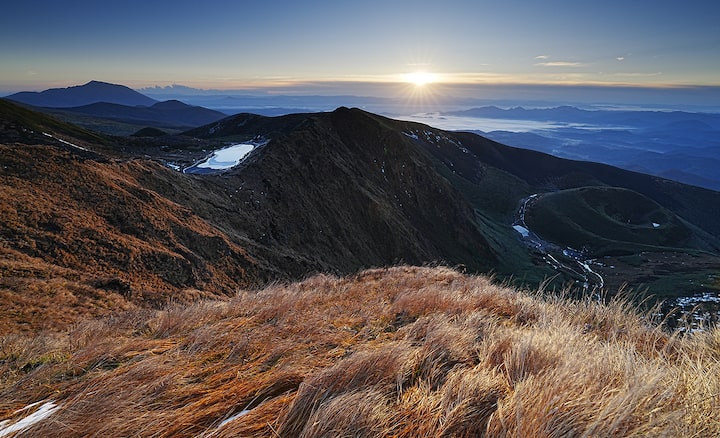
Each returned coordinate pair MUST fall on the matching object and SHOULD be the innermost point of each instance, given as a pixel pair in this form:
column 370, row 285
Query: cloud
column 620, row 58
column 640, row 74
column 542, row 57
column 559, row 64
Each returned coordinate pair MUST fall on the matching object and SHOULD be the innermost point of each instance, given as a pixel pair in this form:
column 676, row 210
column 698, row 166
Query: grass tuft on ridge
column 403, row 351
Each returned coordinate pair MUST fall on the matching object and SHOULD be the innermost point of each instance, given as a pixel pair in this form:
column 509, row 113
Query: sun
column 420, row 78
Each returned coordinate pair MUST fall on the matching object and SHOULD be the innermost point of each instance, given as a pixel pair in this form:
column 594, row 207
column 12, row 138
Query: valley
column 575, row 264
column 343, row 191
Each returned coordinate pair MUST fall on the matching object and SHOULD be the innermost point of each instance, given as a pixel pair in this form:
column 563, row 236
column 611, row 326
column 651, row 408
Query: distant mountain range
column 684, row 146
column 90, row 104
column 679, row 145
column 92, row 92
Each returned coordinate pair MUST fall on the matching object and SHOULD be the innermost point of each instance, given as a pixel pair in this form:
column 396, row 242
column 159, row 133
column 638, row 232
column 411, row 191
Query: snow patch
column 65, row 142
column 693, row 300
column 44, row 411
column 522, row 230
column 233, row 418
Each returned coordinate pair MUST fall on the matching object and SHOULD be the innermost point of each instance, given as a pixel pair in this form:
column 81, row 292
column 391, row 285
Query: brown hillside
column 403, row 352
column 89, row 222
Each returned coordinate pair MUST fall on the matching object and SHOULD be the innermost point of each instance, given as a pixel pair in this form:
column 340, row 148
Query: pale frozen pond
column 222, row 159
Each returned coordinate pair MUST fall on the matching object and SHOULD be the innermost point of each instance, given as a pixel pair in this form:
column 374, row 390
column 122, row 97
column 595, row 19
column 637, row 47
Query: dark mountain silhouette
column 325, row 192
column 149, row 132
column 171, row 113
column 79, row 95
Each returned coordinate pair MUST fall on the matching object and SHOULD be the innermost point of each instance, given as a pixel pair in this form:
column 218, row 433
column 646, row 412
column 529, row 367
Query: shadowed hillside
column 609, row 220
column 484, row 177
column 404, row 352
column 111, row 117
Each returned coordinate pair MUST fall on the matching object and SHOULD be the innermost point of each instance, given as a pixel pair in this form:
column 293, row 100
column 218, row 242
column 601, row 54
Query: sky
column 345, row 47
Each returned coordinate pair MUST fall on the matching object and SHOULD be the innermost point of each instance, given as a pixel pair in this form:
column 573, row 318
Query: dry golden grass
column 402, row 352
column 85, row 238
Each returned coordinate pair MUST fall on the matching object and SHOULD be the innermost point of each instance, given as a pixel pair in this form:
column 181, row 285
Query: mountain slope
column 546, row 173
column 106, row 234
column 346, row 191
column 404, row 352
column 491, row 179
column 23, row 125
column 79, row 235
column 140, row 233
column 92, row 92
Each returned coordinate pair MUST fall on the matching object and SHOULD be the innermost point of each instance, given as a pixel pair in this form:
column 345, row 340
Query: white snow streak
column 40, row 414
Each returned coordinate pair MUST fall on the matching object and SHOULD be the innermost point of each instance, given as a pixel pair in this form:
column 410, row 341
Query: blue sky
column 276, row 44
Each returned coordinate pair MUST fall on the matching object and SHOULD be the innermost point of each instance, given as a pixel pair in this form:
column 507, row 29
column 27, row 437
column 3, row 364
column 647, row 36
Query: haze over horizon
column 665, row 52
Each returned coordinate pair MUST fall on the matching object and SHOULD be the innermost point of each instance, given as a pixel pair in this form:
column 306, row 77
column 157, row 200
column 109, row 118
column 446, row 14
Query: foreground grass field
column 403, row 352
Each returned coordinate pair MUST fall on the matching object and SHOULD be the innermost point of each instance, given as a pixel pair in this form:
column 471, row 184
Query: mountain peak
column 86, row 94
column 94, row 82
column 171, row 105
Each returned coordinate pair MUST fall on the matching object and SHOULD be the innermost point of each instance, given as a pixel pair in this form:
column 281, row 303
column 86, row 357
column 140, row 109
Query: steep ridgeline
column 94, row 229
column 374, row 190
column 341, row 191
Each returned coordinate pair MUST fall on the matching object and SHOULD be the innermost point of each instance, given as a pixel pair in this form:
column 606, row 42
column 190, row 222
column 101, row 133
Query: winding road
column 555, row 255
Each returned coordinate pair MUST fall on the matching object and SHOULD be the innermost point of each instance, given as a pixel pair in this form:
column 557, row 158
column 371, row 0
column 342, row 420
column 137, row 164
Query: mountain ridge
column 78, row 95
column 493, row 178
column 330, row 192
column 170, row 113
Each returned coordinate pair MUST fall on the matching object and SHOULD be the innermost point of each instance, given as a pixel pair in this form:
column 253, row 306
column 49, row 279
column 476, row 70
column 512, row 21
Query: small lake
column 222, row 159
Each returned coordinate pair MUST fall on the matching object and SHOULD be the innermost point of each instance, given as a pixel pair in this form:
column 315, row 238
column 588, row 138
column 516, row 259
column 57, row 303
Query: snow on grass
column 44, row 411
column 694, row 300
column 234, row 417
column 64, row 142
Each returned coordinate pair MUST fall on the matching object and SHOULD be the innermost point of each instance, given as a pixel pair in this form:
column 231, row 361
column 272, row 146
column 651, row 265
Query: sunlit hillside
column 404, row 352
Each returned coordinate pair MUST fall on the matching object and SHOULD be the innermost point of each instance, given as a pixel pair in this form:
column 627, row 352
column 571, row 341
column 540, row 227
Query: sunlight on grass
column 405, row 351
